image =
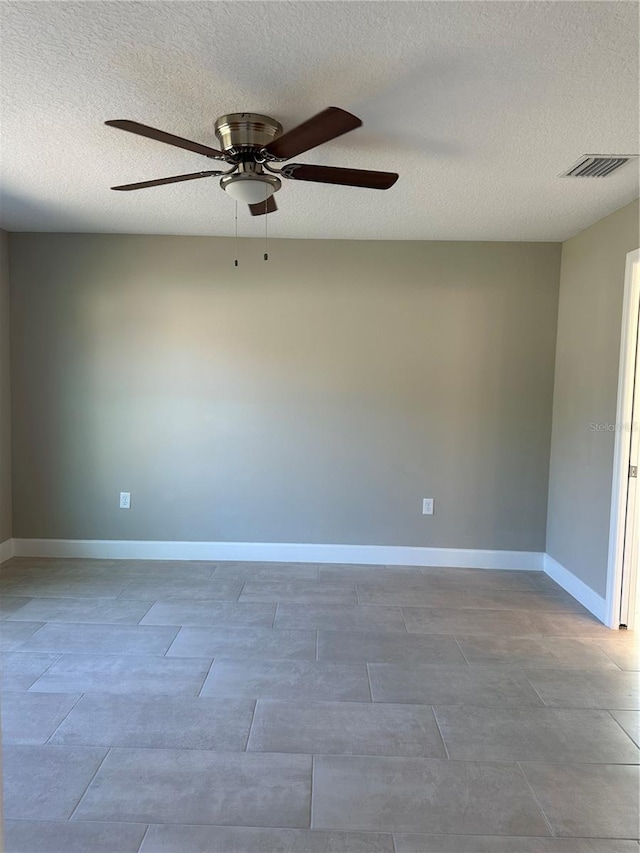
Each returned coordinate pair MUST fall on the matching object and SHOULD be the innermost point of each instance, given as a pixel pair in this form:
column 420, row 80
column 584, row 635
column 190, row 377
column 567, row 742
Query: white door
column 632, row 506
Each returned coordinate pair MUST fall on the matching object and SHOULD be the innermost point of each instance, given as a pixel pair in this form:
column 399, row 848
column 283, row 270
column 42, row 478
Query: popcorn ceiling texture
column 478, row 105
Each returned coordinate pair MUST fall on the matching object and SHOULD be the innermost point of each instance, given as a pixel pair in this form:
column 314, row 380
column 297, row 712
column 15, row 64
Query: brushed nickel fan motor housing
column 246, row 133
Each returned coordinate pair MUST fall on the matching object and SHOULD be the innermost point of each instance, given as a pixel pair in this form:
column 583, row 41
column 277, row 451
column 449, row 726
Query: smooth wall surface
column 5, row 393
column 586, row 386
column 316, row 397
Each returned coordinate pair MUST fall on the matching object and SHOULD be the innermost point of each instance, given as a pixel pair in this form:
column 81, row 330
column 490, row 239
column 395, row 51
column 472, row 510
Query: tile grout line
column 313, row 766
column 124, row 589
column 146, row 613
column 535, row 798
column 48, row 740
column 366, row 666
column 90, row 783
column 604, row 652
column 175, row 637
column 457, row 642
column 253, row 716
column 610, row 713
column 142, row 840
column 533, row 687
column 406, row 630
column 444, row 743
column 243, row 583
column 205, row 677
column 44, row 672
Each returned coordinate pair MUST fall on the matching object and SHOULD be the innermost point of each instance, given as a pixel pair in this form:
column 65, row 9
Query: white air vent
column 597, row 165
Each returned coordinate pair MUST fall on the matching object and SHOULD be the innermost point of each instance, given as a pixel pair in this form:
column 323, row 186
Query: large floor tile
column 534, row 600
column 570, row 624
column 244, row 643
column 337, row 573
column 624, row 652
column 630, row 722
column 135, row 674
column 346, row 728
column 13, row 635
column 478, row 579
column 46, row 782
column 191, row 589
column 339, row 617
column 423, row 795
column 19, row 670
column 71, row 836
column 10, row 604
column 412, row 593
column 425, row 620
column 587, row 800
column 391, row 647
column 103, row 610
column 542, row 581
column 200, row 787
column 31, row 718
column 215, row 613
column 288, row 680
column 594, row 689
column 534, row 734
column 444, row 685
column 137, row 572
column 242, row 839
column 496, row 844
column 299, row 592
column 61, row 586
column 101, row 639
column 267, row 571
column 162, row 722
column 191, row 568
column 556, row 652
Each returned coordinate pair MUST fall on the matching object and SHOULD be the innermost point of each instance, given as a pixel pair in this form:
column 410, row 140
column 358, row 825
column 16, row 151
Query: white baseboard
column 595, row 603
column 6, row 550
column 275, row 552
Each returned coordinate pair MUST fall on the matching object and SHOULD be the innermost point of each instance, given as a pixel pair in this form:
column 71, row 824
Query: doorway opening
column 622, row 600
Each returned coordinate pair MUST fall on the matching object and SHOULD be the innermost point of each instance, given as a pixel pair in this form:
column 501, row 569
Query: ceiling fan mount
column 249, row 142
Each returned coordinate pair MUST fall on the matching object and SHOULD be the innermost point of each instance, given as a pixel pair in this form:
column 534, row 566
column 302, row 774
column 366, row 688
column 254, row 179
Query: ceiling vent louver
column 596, row 165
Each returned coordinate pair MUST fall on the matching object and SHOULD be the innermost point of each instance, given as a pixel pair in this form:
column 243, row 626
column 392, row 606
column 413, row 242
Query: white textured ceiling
column 478, row 105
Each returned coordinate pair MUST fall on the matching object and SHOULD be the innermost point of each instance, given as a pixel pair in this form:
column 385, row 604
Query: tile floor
column 259, row 708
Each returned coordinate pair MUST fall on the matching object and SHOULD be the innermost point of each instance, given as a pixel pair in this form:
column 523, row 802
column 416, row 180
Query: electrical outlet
column 125, row 500
column 427, row 506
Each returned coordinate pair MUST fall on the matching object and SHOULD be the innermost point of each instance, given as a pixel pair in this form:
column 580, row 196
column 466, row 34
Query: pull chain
column 236, row 260
column 266, row 232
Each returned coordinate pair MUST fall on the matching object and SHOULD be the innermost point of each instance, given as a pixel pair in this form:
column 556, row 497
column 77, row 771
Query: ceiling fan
column 250, row 142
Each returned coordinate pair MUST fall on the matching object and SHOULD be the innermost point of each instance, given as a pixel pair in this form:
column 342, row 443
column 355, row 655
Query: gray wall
column 5, row 394
column 317, row 397
column 586, row 384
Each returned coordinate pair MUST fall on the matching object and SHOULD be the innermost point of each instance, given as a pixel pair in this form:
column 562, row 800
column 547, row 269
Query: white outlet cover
column 427, row 506
column 125, row 500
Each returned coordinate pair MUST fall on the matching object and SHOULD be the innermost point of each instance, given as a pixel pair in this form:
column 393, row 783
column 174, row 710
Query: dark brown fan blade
column 346, row 177
column 169, row 138
column 262, row 207
column 174, row 180
column 320, row 128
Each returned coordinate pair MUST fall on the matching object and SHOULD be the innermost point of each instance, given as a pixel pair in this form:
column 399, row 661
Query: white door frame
column 626, row 375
